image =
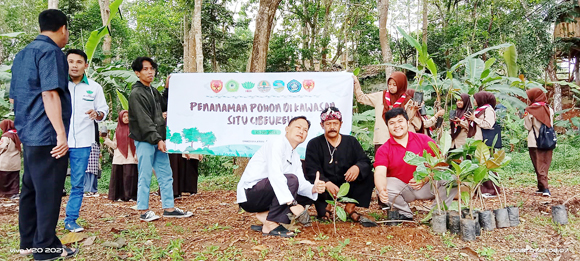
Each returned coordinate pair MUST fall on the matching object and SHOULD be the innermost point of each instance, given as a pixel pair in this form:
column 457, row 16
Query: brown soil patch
column 218, row 232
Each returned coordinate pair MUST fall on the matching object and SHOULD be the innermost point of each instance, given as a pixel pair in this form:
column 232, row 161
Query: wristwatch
column 99, row 114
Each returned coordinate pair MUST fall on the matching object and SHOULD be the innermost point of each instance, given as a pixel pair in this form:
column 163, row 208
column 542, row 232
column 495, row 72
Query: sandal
column 257, row 228
column 367, row 222
column 280, row 231
column 304, row 217
column 364, row 221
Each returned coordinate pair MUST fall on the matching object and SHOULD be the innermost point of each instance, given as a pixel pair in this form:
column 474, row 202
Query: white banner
column 233, row 114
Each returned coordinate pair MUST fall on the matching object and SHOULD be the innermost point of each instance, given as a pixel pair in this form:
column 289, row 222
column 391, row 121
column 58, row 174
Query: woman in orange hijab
column 537, row 113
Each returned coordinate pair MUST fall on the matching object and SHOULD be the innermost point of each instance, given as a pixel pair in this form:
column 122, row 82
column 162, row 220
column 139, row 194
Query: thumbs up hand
column 384, row 195
column 319, row 185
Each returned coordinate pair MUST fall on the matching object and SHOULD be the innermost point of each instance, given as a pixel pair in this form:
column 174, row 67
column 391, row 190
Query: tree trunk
column 264, row 19
column 105, row 13
column 425, row 21
column 325, row 34
column 383, row 6
column 52, row 4
column 557, row 88
column 192, row 50
column 186, row 57
column 197, row 34
column 259, row 53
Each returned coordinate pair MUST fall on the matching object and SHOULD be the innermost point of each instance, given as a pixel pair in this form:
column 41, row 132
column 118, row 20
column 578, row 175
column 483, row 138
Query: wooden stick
column 570, row 199
column 387, row 257
column 389, row 221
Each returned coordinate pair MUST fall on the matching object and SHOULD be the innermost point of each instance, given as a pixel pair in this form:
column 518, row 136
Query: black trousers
column 40, row 199
column 261, row 198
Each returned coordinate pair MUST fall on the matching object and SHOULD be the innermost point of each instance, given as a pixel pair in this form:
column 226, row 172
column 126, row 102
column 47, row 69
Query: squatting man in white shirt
column 274, row 177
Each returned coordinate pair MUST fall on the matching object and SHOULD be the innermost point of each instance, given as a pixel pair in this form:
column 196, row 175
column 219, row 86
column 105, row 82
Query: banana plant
column 340, row 197
column 98, row 34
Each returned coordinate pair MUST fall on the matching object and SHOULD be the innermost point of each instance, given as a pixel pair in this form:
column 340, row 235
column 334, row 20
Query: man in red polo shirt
column 393, row 176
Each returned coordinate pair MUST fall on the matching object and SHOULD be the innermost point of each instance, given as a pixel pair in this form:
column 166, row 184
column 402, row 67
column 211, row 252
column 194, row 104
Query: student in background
column 461, row 127
column 484, row 117
column 383, row 101
column 93, row 173
column 537, row 113
column 10, row 152
column 124, row 173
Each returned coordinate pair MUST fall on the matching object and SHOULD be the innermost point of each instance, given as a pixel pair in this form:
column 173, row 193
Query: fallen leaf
column 117, row 244
column 122, row 256
column 9, row 205
column 89, row 241
column 259, row 247
column 469, row 252
column 306, row 241
column 72, row 237
column 116, row 230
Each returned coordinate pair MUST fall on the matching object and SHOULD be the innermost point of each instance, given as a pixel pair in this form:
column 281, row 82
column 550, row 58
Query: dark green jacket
column 146, row 107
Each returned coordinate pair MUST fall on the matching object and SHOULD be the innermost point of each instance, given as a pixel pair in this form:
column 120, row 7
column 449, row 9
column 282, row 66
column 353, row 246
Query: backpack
column 546, row 138
column 489, row 135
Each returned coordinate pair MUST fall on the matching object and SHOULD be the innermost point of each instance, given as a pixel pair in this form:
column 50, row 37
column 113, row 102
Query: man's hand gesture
column 319, row 185
column 351, row 174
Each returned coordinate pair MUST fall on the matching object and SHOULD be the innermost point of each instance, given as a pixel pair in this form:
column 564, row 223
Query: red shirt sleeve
column 381, row 157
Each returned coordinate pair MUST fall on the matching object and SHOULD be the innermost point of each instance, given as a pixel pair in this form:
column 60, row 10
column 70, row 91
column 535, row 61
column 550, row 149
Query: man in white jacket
column 273, row 179
column 88, row 105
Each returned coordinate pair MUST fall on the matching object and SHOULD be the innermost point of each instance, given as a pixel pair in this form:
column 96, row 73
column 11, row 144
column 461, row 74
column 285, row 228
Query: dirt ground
column 217, row 231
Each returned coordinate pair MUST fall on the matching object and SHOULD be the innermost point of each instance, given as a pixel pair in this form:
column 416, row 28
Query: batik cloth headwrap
column 330, row 114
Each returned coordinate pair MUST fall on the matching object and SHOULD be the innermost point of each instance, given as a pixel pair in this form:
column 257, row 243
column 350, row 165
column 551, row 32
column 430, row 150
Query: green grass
column 563, row 171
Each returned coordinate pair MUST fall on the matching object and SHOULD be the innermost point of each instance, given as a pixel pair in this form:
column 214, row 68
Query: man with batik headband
column 339, row 159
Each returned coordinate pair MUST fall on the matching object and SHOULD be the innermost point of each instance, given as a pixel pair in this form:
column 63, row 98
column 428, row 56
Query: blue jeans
column 79, row 160
column 152, row 158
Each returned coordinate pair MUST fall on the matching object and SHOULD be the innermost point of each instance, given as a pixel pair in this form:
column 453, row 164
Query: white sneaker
column 149, row 216
column 488, row 195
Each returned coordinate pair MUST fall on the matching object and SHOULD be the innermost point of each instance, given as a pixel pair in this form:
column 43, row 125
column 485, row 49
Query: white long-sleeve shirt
column 272, row 161
column 85, row 95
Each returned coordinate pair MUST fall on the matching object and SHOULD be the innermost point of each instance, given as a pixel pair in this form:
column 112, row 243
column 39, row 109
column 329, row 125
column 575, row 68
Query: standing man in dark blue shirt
column 42, row 110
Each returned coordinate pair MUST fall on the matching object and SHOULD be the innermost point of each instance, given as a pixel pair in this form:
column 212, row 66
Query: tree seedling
column 340, row 197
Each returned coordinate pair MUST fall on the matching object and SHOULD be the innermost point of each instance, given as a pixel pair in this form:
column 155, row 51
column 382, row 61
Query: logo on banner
column 248, row 85
column 264, row 86
column 216, row 86
column 278, row 85
column 232, row 86
column 308, row 85
column 294, row 86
